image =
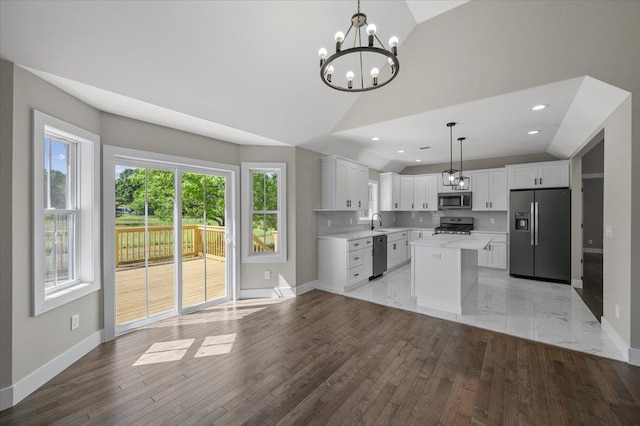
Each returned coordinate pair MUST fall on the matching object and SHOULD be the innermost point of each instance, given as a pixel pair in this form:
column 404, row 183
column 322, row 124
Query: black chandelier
column 461, row 181
column 359, row 58
column 449, row 175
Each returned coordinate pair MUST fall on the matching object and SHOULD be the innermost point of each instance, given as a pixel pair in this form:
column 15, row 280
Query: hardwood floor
column 592, row 290
column 326, row 359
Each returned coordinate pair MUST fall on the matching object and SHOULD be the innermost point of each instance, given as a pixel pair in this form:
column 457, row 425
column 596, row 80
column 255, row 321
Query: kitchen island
column 444, row 270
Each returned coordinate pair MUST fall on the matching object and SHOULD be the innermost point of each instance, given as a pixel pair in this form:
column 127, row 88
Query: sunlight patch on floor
column 216, row 345
column 159, row 352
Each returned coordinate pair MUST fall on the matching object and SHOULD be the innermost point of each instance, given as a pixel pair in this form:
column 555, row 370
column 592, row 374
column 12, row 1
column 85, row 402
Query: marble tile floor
column 535, row 310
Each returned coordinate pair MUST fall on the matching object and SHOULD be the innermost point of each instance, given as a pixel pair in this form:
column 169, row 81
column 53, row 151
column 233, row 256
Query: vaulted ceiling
column 247, row 72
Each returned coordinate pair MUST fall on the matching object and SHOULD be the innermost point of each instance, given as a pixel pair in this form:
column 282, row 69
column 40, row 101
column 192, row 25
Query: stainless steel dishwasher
column 379, row 255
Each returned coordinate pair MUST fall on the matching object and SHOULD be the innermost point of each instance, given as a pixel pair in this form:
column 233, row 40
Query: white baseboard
column 634, row 357
column 576, row 283
column 592, row 250
column 329, row 289
column 259, row 293
column 617, row 340
column 42, row 375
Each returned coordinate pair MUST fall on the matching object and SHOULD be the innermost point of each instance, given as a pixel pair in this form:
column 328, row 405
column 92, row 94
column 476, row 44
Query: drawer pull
column 356, row 275
column 356, row 245
column 356, row 258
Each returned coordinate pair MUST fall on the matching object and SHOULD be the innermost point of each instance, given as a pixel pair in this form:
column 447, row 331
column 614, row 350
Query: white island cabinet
column 444, row 270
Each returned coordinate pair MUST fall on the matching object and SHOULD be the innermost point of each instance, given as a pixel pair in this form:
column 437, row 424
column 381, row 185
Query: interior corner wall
column 308, row 198
column 282, row 274
column 38, row 340
column 6, row 236
column 617, row 213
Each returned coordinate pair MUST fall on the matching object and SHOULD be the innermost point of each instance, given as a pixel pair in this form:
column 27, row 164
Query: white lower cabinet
column 343, row 263
column 397, row 245
column 495, row 254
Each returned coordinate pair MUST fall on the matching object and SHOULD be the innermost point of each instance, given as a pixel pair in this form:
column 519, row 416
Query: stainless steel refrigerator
column 540, row 234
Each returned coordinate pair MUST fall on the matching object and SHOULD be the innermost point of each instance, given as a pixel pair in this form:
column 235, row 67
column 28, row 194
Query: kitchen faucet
column 372, row 216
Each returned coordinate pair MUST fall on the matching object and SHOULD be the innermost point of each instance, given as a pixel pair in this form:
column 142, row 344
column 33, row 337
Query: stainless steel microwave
column 454, row 201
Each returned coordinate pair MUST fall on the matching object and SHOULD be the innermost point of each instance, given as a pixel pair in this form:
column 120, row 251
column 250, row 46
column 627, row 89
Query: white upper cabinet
column 552, row 174
column 408, row 193
column 490, row 190
column 344, row 184
column 389, row 186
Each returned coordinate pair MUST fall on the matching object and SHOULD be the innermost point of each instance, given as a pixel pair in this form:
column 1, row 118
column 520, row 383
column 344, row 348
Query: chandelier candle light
column 461, row 182
column 359, row 58
column 449, row 176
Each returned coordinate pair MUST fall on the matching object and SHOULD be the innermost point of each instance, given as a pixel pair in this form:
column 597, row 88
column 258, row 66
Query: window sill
column 54, row 299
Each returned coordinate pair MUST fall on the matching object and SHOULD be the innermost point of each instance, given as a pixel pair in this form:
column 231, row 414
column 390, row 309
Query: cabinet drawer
column 356, row 258
column 356, row 274
column 396, row 236
column 356, row 245
column 368, row 242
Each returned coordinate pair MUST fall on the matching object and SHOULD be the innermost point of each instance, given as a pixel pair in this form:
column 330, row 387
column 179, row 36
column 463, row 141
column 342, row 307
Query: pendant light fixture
column 449, row 176
column 360, row 61
column 461, row 181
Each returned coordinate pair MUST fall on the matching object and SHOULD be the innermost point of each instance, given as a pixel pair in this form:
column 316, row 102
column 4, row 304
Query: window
column 264, row 212
column 365, row 215
column 66, row 212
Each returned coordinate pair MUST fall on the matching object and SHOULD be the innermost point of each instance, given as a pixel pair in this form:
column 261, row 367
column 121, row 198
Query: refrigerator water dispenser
column 522, row 222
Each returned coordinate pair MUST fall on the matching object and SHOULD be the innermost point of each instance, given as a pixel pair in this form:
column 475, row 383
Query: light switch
column 608, row 232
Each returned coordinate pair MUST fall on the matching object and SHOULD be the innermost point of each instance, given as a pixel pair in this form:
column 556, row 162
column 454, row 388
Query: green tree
column 58, row 189
column 203, row 194
column 126, row 187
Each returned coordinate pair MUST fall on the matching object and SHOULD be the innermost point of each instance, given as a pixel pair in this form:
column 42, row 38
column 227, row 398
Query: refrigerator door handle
column 536, row 223
column 531, row 231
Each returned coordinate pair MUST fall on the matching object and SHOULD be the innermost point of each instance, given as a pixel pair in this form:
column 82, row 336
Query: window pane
column 265, row 190
column 58, row 249
column 265, row 233
column 56, row 174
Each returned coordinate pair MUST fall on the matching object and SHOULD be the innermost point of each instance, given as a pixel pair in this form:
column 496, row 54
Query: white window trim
column 87, row 250
column 376, row 200
column 247, row 231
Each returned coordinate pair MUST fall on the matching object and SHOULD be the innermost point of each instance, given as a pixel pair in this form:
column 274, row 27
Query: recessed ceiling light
column 539, row 107
column 425, row 147
column 400, row 152
column 533, row 132
column 417, row 161
column 375, row 138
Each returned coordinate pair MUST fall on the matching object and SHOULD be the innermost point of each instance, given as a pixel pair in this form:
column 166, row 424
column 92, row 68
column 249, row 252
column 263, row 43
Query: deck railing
column 196, row 241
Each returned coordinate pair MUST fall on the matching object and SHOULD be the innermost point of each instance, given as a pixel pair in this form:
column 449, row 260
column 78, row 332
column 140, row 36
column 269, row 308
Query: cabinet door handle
column 356, row 258
column 411, row 205
column 535, row 181
column 426, row 205
column 359, row 203
column 540, row 181
column 356, row 245
column 491, row 204
column 486, row 204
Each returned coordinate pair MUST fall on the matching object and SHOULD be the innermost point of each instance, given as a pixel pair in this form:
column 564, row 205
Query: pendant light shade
column 462, row 182
column 449, row 175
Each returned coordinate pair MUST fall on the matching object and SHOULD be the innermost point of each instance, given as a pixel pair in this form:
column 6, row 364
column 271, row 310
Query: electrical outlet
column 618, row 311
column 267, row 275
column 350, row 221
column 420, row 218
column 75, row 321
column 328, row 223
column 590, row 241
column 394, row 218
column 493, row 220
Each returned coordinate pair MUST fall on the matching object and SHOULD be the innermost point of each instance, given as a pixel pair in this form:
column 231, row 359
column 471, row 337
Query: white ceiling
column 247, row 72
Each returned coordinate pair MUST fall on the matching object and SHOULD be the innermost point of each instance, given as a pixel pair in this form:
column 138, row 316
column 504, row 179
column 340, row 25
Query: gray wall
column 593, row 161
column 500, row 47
column 308, row 197
column 37, row 340
column 489, row 163
column 6, row 192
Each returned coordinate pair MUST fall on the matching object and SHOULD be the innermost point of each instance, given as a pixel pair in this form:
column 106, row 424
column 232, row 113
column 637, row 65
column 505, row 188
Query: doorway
column 592, row 229
column 170, row 227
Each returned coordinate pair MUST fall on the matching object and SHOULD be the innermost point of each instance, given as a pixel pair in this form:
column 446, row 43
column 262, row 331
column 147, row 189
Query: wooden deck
column 326, row 359
column 130, row 287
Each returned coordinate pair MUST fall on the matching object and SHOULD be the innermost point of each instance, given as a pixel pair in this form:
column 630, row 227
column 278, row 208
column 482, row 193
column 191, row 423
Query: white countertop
column 356, row 235
column 467, row 242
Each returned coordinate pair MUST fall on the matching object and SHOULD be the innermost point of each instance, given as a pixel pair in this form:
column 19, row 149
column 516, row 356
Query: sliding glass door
column 144, row 237
column 172, row 239
column 204, row 239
